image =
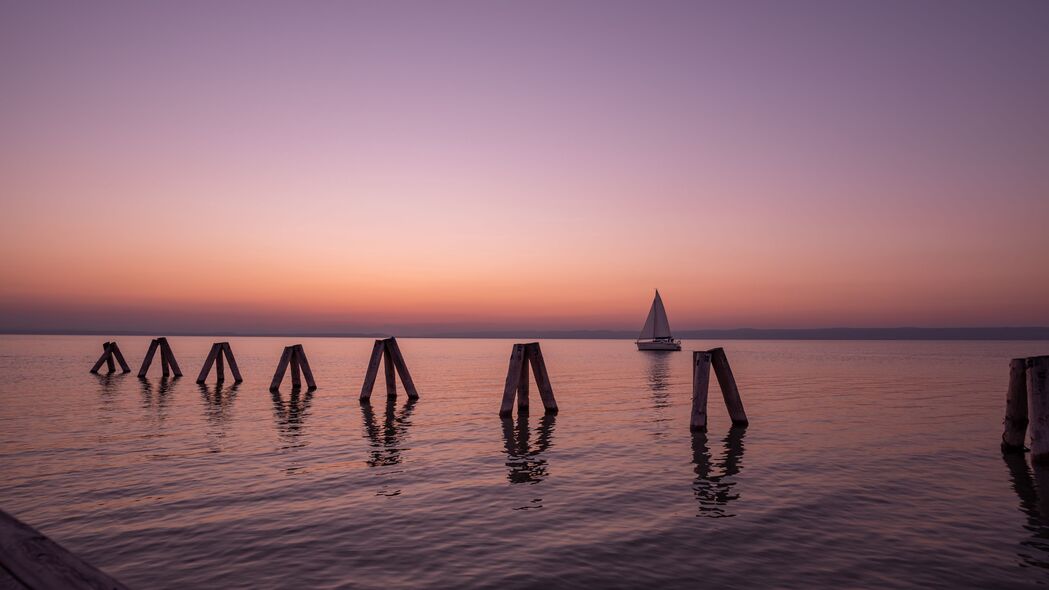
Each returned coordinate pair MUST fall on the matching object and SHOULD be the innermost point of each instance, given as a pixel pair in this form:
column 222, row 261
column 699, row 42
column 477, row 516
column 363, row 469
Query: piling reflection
column 155, row 398
column 522, row 458
column 715, row 483
column 387, row 441
column 290, row 415
column 218, row 409
column 659, row 387
column 1032, row 488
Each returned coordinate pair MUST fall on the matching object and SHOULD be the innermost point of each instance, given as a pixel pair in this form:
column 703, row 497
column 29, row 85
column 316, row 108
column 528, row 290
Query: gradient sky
column 336, row 166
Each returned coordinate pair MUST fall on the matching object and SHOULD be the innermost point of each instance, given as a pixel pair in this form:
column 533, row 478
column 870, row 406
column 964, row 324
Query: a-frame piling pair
column 219, row 350
column 386, row 350
column 294, row 356
column 111, row 351
column 701, row 361
column 517, row 380
column 168, row 364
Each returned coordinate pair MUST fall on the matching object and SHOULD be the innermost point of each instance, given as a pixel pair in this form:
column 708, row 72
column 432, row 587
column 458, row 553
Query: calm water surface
column 866, row 464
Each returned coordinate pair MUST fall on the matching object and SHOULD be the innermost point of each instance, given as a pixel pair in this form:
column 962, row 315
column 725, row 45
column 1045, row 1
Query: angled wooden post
column 700, row 386
column 728, row 386
column 220, row 367
column 282, row 367
column 148, row 360
column 373, row 370
column 521, row 356
column 296, row 372
column 216, row 350
column 165, row 351
column 304, row 364
column 522, row 384
column 387, row 352
column 513, row 379
column 115, row 351
column 107, row 350
column 1015, row 408
column 542, row 379
column 394, row 351
column 232, row 362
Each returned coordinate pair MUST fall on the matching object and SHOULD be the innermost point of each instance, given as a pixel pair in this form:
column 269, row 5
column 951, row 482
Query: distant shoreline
column 1000, row 333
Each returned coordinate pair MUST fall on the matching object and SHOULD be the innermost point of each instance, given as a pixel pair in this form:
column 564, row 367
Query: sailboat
column 656, row 333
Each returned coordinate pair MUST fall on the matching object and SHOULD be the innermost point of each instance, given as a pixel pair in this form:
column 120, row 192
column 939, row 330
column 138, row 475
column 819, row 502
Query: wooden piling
column 295, row 356
column 1038, row 407
column 28, row 559
column 111, row 366
column 111, row 351
column 215, row 358
column 387, row 352
column 168, row 363
column 700, row 386
column 521, row 356
column 1015, row 408
column 729, row 391
column 233, row 368
column 282, row 367
column 513, row 379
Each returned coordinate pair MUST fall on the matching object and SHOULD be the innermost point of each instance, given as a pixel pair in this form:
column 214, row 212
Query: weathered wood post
column 28, row 559
column 1038, row 407
column 218, row 351
column 1015, row 408
column 111, row 351
column 388, row 352
column 521, row 355
column 167, row 358
column 700, row 387
column 295, row 356
column 728, row 386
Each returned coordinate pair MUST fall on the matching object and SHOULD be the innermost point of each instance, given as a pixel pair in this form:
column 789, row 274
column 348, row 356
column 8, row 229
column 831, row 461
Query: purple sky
column 336, row 165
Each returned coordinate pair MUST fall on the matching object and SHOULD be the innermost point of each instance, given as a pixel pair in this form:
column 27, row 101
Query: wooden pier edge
column 34, row 561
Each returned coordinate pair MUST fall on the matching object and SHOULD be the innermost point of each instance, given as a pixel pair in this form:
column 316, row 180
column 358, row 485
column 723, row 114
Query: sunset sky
column 340, row 166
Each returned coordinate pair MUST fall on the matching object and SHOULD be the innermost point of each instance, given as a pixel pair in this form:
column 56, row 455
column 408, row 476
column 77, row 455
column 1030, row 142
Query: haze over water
column 865, row 464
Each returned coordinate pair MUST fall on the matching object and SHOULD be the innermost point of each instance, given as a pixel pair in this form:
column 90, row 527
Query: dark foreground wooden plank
column 36, row 562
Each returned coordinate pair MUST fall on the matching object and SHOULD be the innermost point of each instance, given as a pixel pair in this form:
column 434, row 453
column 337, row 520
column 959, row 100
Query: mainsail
column 656, row 326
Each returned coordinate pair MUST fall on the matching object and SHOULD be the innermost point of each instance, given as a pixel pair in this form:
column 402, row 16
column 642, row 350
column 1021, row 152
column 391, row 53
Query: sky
column 340, row 166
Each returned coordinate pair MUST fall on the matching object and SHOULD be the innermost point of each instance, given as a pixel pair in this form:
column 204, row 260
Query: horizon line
column 835, row 333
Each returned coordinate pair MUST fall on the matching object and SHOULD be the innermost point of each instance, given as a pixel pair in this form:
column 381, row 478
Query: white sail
column 657, row 325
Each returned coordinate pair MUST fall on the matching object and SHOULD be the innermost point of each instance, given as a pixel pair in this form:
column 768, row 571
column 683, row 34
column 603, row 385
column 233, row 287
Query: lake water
column 865, row 464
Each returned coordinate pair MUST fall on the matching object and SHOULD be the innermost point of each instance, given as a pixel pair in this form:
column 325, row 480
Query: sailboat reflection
column 523, row 460
column 1033, row 492
column 714, row 484
column 387, row 441
column 290, row 415
column 659, row 385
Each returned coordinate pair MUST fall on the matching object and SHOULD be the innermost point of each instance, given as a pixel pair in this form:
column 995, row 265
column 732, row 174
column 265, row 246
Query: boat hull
column 658, row 345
